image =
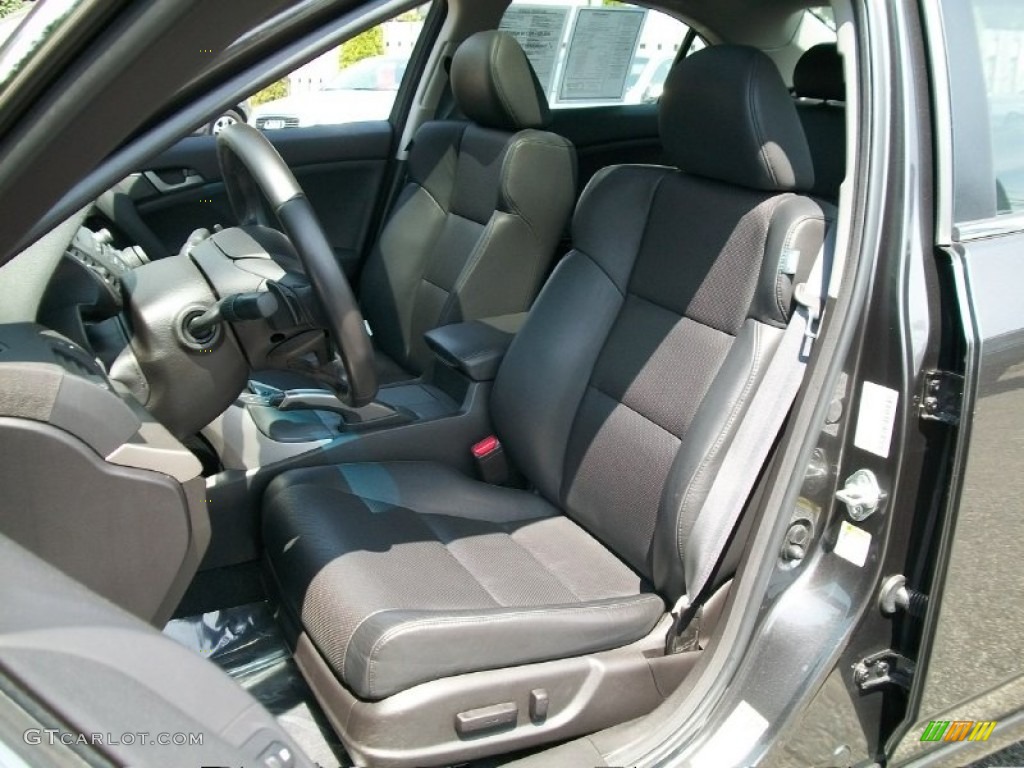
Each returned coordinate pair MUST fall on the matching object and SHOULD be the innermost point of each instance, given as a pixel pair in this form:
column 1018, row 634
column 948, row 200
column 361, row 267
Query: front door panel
column 340, row 168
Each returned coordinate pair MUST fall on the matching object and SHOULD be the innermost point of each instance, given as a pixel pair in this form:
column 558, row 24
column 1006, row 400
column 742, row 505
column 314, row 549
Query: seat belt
column 752, row 443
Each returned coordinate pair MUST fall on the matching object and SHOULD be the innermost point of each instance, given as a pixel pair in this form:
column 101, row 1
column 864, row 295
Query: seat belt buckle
column 491, row 463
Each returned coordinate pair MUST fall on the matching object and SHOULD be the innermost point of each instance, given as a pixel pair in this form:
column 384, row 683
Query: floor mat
column 246, row 643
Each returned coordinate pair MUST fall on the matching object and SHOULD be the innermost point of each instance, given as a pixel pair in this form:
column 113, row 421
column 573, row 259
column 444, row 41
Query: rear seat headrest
column 726, row 114
column 819, row 74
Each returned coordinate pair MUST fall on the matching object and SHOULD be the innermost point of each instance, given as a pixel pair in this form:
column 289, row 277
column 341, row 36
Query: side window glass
column 356, row 81
column 34, row 23
column 596, row 55
column 1000, row 27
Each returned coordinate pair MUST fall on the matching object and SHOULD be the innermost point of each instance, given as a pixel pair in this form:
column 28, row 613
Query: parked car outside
column 363, row 91
column 237, row 114
column 647, row 85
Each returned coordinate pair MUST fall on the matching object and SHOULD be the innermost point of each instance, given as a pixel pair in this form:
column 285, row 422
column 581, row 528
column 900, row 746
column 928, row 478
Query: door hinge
column 883, row 668
column 941, row 397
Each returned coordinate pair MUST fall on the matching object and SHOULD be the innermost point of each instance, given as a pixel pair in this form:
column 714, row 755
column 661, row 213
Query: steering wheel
column 263, row 190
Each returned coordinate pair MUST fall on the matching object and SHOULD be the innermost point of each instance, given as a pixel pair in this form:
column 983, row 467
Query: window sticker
column 601, row 50
column 539, row 30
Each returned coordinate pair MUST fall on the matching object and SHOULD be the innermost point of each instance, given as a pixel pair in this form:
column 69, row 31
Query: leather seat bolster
column 538, row 389
column 696, row 464
column 538, row 182
column 796, row 233
column 612, row 215
column 393, row 650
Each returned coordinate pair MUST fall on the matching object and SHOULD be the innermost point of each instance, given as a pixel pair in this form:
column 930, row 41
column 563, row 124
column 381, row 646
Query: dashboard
column 93, row 482
column 87, row 290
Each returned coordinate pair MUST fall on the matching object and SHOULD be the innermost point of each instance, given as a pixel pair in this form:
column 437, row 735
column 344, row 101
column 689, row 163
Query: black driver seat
column 474, row 230
column 616, row 401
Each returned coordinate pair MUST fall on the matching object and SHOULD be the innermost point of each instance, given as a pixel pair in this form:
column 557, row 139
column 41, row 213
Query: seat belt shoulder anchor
column 812, row 304
column 684, row 633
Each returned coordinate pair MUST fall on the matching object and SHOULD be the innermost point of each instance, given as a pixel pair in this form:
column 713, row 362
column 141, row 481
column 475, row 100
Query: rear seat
column 821, row 104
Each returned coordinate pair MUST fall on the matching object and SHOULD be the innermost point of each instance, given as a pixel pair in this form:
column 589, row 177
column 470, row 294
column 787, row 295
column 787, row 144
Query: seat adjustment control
column 539, row 705
column 490, row 718
column 277, row 755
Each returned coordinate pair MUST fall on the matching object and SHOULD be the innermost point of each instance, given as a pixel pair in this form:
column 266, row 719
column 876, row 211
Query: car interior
column 410, row 427
column 485, row 203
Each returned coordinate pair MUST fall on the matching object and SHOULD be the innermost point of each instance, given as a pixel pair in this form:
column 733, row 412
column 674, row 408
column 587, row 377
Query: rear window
column 596, row 55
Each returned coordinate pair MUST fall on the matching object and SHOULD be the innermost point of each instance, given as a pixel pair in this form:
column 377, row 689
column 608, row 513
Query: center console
column 267, row 424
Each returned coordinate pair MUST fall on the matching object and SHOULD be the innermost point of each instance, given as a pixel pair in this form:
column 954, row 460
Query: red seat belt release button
column 486, row 447
column 490, row 460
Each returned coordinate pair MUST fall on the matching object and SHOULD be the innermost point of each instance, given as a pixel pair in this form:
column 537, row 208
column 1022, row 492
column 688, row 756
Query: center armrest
column 477, row 347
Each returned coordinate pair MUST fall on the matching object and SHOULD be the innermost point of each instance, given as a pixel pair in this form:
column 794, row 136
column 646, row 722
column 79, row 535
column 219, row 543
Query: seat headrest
column 494, row 84
column 725, row 114
column 819, row 74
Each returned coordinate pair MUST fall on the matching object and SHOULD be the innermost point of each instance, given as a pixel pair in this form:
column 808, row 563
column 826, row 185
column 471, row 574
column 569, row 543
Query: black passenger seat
column 821, row 104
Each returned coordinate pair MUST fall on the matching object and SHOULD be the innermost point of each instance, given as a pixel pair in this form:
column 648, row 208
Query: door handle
column 188, row 178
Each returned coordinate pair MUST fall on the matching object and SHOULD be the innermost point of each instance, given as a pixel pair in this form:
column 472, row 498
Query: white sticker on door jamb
column 876, row 418
column 853, row 544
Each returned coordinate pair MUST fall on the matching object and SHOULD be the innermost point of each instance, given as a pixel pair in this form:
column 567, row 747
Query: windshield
column 374, row 74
